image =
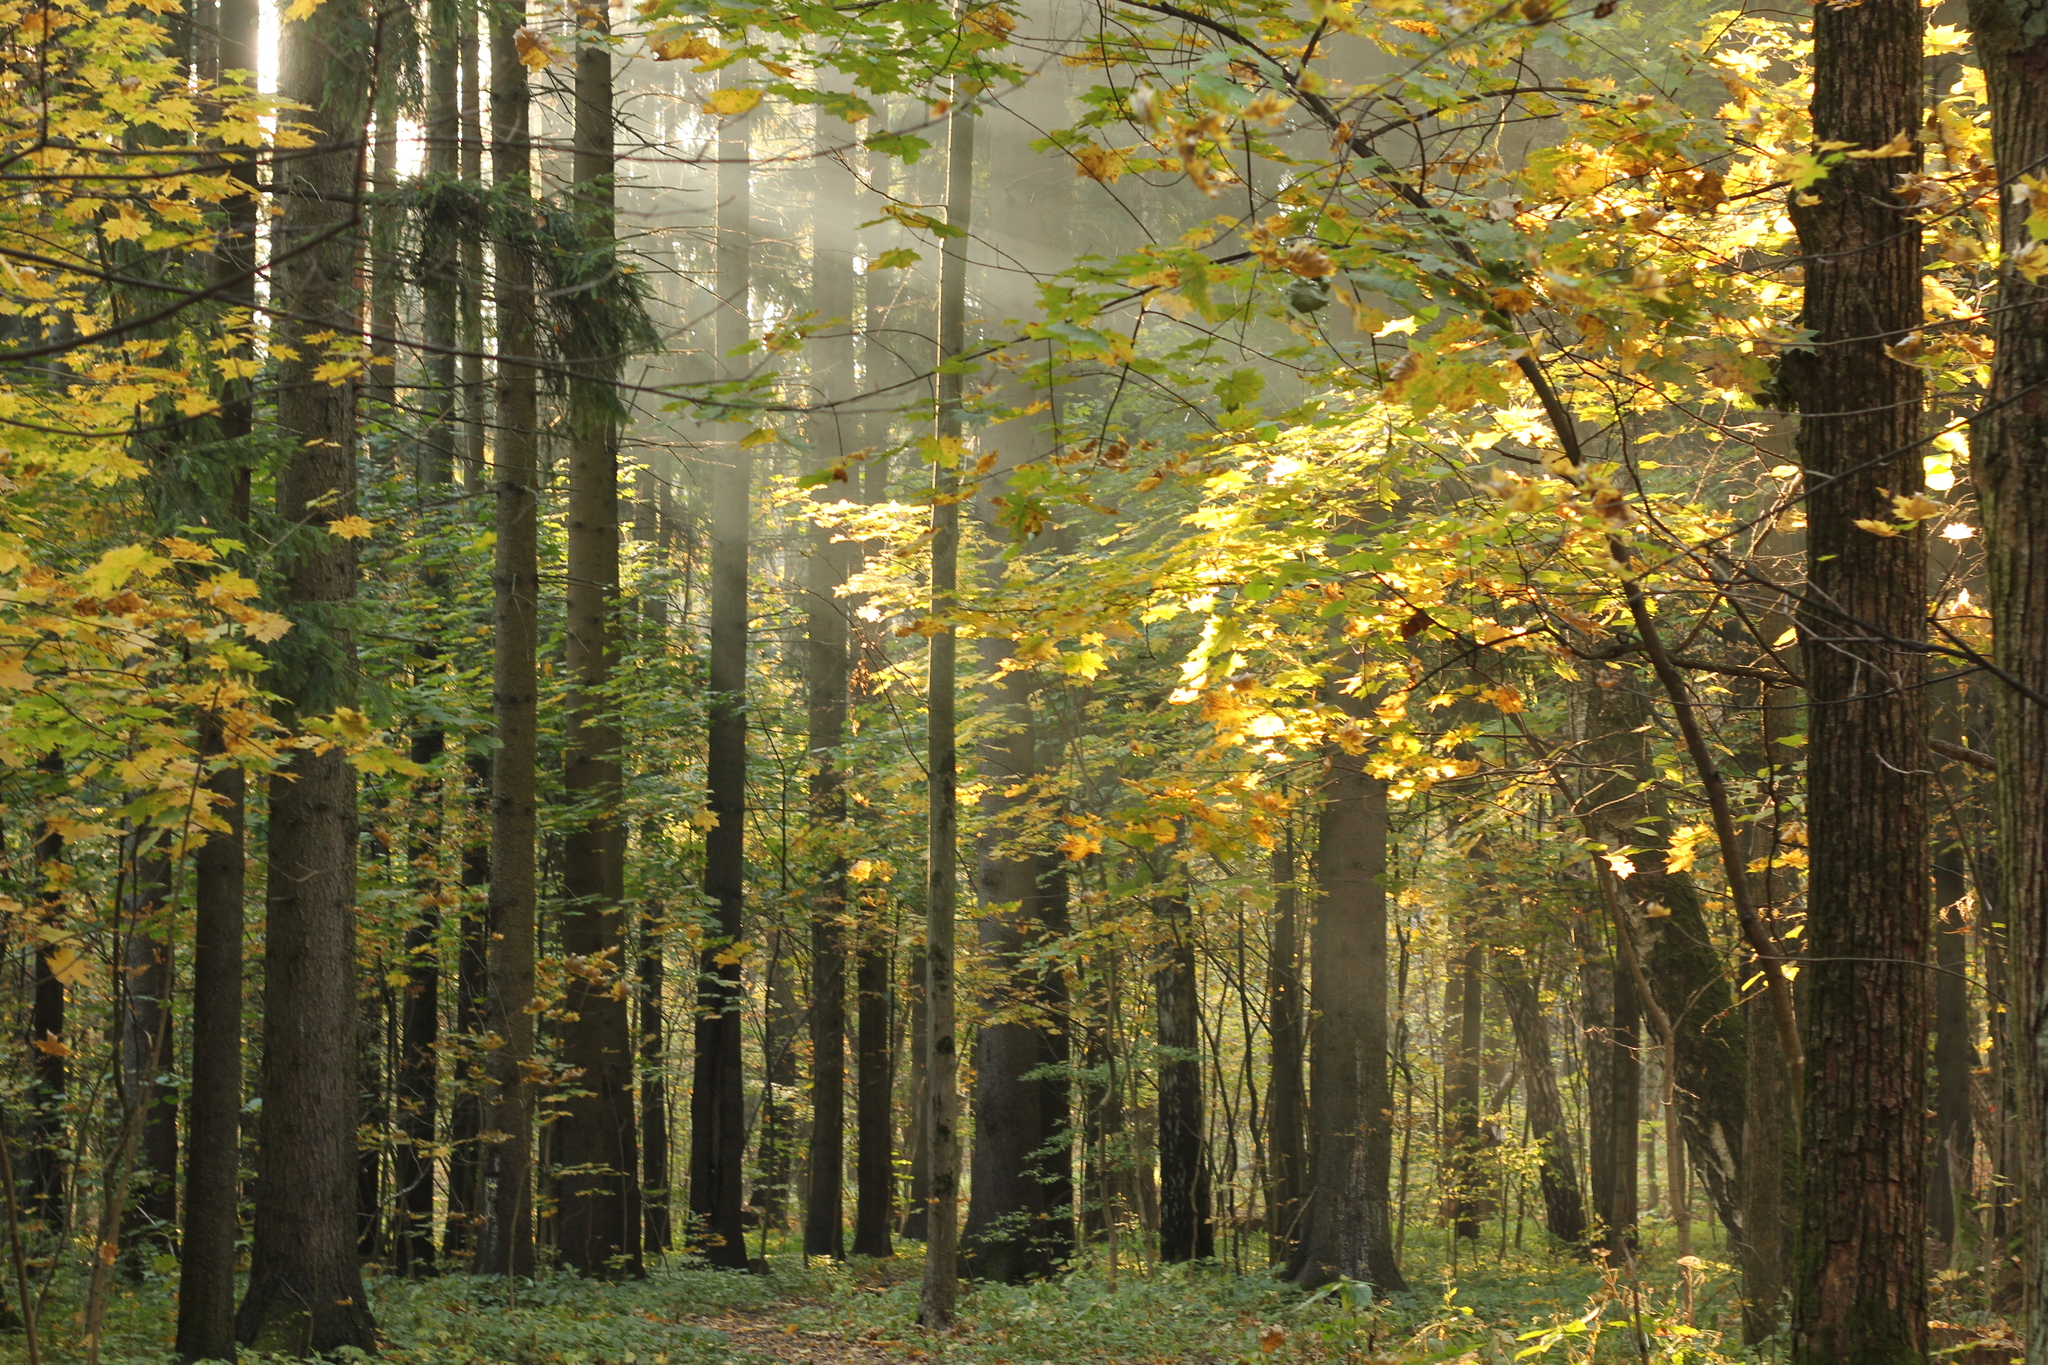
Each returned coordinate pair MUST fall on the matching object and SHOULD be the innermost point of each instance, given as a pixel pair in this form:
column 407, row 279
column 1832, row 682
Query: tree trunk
column 941, row 1288
column 2010, row 446
column 1286, row 1095
column 874, row 1100
column 1607, row 1021
column 827, row 670
column 596, row 1144
column 718, row 1134
column 213, row 1115
column 305, row 1289
column 1467, row 1186
column 1186, row 1230
column 1859, row 1281
column 1564, row 1205
column 1668, row 926
column 1007, row 1212
column 505, row 1241
column 1350, row 1226
column 657, row 1231
column 472, row 989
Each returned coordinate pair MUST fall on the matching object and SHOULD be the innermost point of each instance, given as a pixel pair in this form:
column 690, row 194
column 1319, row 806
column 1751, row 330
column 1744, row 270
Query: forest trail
column 770, row 1334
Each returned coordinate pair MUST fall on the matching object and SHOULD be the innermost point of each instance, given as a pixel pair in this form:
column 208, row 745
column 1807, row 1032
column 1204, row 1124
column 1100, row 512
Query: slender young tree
column 305, row 1291
column 1287, row 1091
column 1859, row 1281
column 717, row 1097
column 941, row 1289
column 505, row 1241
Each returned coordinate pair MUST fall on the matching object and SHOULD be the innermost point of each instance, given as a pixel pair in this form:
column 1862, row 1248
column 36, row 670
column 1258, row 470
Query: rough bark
column 1859, row 1281
column 305, row 1290
column 1607, row 1022
column 1468, row 1186
column 874, row 1099
column 1349, row 1229
column 2010, row 446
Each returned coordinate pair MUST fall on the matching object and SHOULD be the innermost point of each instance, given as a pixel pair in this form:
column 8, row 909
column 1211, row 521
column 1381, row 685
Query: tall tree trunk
column 827, row 670
column 1350, row 1230
column 1187, row 1231
column 718, row 1093
column 213, row 1115
column 470, row 166
column 1564, row 1205
column 874, row 1100
column 1007, row 1212
column 305, row 1289
column 1053, row 1162
column 417, row 1079
column 941, row 1288
column 2010, row 446
column 1286, row 1095
column 1859, row 1281
column 505, row 1241
column 596, row 1143
column 657, row 1231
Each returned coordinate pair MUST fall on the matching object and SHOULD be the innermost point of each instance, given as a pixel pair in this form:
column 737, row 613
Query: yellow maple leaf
column 126, row 224
column 535, row 52
column 337, row 372
column 1877, row 528
column 730, row 102
column 351, row 528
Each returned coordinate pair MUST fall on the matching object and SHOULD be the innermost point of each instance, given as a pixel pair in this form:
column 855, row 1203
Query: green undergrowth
column 1528, row 1305
column 1503, row 1306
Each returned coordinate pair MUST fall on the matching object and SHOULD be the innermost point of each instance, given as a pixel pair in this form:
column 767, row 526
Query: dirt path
column 766, row 1333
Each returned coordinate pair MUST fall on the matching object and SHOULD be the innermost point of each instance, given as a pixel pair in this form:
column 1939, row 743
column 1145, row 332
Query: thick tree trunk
column 596, row 1143
column 505, row 1241
column 1007, row 1213
column 1349, row 1231
column 1187, row 1232
column 1564, row 1205
column 1286, row 1094
column 305, row 1290
column 1859, row 1281
column 718, row 1134
column 472, row 956
column 2010, row 444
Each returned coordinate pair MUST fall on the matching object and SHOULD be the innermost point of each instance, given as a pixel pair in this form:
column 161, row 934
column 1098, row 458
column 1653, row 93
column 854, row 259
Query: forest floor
column 1500, row 1306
